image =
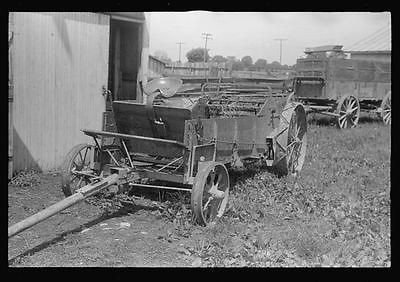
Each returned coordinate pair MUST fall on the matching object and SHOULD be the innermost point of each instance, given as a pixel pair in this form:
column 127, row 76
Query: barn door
column 124, row 62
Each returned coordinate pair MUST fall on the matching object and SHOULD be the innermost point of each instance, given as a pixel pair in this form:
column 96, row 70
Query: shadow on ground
column 125, row 210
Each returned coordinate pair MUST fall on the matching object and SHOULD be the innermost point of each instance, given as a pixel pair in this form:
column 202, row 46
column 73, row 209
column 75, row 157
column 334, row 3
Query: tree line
column 231, row 62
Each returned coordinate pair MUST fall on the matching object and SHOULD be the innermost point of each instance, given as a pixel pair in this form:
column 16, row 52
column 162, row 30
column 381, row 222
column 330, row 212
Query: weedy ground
column 336, row 213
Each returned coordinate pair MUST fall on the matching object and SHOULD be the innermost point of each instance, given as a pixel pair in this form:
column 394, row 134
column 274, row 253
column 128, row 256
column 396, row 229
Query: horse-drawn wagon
column 329, row 83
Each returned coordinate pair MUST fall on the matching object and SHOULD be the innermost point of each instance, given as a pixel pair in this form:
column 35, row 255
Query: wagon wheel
column 291, row 140
column 386, row 108
column 77, row 160
column 348, row 110
column 210, row 193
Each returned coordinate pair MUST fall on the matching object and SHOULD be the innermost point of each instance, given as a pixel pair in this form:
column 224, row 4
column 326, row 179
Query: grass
column 336, row 213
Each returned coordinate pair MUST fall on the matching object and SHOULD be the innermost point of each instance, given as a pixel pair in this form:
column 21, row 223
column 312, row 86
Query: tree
column 237, row 65
column 261, row 64
column 230, row 60
column 219, row 59
column 163, row 56
column 247, row 61
column 197, row 55
column 275, row 65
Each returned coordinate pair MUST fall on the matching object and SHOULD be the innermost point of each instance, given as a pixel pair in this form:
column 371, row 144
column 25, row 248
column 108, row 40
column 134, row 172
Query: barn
column 60, row 63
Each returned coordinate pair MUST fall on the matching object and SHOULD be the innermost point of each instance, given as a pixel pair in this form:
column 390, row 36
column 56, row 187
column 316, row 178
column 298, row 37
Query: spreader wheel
column 76, row 171
column 291, row 140
column 348, row 110
column 210, row 193
column 386, row 108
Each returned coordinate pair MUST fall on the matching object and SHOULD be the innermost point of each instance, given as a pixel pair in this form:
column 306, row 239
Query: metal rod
column 161, row 187
column 127, row 153
column 96, row 134
column 168, row 164
column 112, row 157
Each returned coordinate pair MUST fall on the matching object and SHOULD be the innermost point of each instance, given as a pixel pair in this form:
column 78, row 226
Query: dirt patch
column 84, row 235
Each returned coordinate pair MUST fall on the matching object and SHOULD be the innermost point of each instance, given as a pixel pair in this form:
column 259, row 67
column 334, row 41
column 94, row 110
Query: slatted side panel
column 362, row 78
column 60, row 66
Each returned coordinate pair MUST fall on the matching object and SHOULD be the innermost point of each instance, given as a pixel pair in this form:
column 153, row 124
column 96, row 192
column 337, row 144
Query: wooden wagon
column 329, row 83
column 185, row 141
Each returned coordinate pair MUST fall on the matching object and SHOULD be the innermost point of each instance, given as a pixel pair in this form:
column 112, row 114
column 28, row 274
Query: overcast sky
column 239, row 34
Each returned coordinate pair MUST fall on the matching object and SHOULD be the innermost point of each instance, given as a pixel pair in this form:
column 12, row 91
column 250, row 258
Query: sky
column 254, row 33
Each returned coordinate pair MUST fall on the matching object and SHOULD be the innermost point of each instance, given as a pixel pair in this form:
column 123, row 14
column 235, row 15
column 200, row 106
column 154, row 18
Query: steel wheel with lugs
column 210, row 193
column 348, row 110
column 386, row 109
column 76, row 171
column 291, row 140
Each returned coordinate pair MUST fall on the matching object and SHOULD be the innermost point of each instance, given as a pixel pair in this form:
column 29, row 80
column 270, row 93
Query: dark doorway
column 124, row 59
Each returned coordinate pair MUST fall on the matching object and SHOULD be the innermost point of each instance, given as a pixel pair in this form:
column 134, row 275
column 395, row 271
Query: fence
column 210, row 69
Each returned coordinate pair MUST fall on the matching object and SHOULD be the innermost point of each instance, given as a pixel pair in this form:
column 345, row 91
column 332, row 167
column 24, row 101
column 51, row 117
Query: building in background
column 381, row 56
column 60, row 63
column 156, row 67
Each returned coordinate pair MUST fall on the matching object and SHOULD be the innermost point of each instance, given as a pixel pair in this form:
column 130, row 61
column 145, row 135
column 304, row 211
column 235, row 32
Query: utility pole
column 180, row 46
column 280, row 54
column 206, row 36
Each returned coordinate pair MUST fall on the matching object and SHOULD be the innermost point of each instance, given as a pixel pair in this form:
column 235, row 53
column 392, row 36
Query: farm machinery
column 329, row 83
column 185, row 140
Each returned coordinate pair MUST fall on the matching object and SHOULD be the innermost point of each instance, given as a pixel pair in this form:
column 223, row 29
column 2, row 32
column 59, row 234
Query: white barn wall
column 60, row 63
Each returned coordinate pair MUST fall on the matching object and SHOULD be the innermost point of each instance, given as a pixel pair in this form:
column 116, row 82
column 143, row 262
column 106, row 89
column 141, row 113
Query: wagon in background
column 330, row 83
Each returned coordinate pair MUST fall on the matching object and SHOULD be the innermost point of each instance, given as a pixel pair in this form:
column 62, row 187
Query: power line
column 382, row 28
column 180, row 45
column 377, row 40
column 368, row 37
column 378, row 45
column 372, row 39
column 280, row 53
column 206, row 36
column 383, row 39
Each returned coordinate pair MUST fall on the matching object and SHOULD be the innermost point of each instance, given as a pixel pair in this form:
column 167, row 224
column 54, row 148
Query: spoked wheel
column 291, row 140
column 348, row 110
column 386, row 108
column 210, row 193
column 76, row 171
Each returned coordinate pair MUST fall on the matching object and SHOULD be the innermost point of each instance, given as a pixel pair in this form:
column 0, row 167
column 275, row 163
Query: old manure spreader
column 328, row 83
column 185, row 141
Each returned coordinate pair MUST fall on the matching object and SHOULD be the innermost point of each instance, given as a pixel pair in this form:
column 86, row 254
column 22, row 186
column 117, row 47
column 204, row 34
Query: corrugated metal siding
column 10, row 95
column 60, row 65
